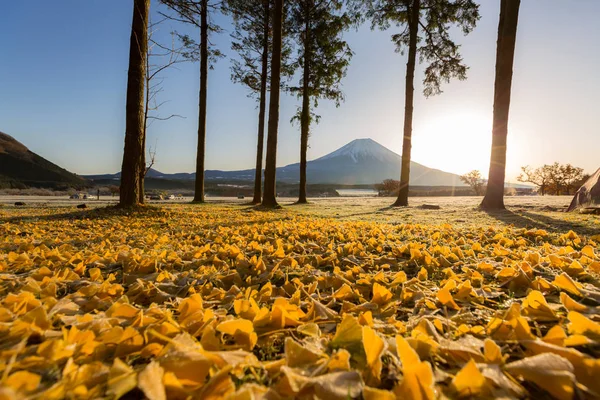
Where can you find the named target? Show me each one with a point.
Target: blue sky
(64, 70)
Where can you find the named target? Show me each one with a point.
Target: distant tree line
(278, 39)
(554, 179)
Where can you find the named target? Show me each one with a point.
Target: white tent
(588, 195)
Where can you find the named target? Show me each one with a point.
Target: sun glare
(455, 143)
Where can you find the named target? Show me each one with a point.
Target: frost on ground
(330, 301)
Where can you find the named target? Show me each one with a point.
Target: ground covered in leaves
(229, 302)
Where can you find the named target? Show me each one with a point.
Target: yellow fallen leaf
(551, 372)
(381, 295)
(555, 335)
(150, 381)
(23, 381)
(416, 383)
(374, 347)
(445, 298)
(121, 379)
(588, 251)
(580, 325)
(469, 381)
(242, 331)
(492, 352)
(339, 361)
(564, 282)
(370, 393)
(297, 355)
(570, 304)
(535, 306)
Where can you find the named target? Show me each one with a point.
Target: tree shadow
(529, 220)
(371, 212)
(87, 214)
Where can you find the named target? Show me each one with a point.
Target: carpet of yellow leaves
(212, 302)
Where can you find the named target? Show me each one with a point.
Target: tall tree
(252, 41)
(197, 13)
(165, 58)
(133, 154)
(426, 25)
(323, 57)
(505, 54)
(270, 194)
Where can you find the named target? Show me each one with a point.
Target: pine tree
(270, 194)
(505, 54)
(323, 57)
(197, 13)
(425, 26)
(252, 41)
(133, 154)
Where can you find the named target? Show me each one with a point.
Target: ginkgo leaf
(297, 355)
(469, 381)
(334, 386)
(564, 282)
(580, 325)
(242, 331)
(374, 347)
(549, 371)
(445, 298)
(150, 381)
(339, 361)
(535, 306)
(348, 332)
(370, 393)
(23, 381)
(570, 304)
(492, 352)
(416, 383)
(122, 379)
(381, 295)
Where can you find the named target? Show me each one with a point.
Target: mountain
(20, 167)
(364, 161)
(360, 162)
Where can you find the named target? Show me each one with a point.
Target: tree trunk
(134, 123)
(415, 11)
(505, 53)
(305, 116)
(269, 198)
(262, 105)
(199, 184)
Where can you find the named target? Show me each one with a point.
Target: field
(342, 298)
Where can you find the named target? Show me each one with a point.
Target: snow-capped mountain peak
(360, 149)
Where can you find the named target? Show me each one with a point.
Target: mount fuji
(360, 162)
(364, 161)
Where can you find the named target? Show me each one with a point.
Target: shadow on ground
(528, 219)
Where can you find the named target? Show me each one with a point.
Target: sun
(457, 143)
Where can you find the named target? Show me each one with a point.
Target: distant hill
(360, 162)
(20, 168)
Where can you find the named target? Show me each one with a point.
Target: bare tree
(554, 178)
(538, 177)
(166, 57)
(197, 13)
(133, 154)
(474, 180)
